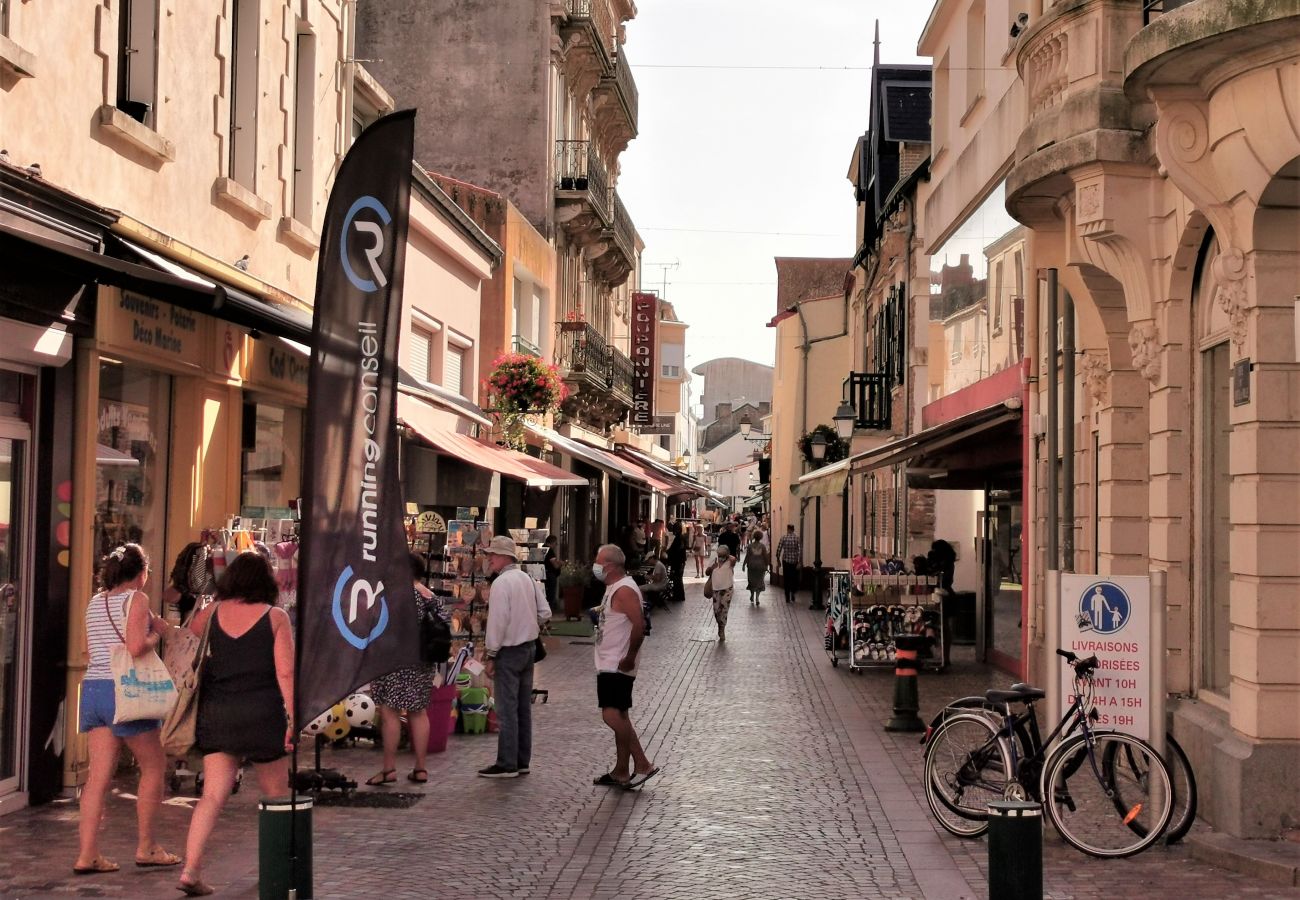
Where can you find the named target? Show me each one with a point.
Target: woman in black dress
(245, 698)
(405, 692)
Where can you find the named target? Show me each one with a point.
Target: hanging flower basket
(522, 385)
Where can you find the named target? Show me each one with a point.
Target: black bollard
(1015, 850)
(284, 859)
(907, 701)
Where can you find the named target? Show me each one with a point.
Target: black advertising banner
(645, 318)
(356, 615)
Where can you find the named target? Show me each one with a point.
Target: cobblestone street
(777, 782)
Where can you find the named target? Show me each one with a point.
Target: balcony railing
(578, 169)
(582, 353)
(1156, 7)
(621, 373)
(624, 233)
(626, 86)
(521, 344)
(602, 19)
(870, 395)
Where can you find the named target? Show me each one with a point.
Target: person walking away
(730, 539)
(405, 692)
(245, 699)
(790, 554)
(722, 575)
(699, 548)
(512, 628)
(551, 567)
(618, 643)
(676, 559)
(119, 614)
(756, 566)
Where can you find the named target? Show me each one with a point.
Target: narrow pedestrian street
(777, 781)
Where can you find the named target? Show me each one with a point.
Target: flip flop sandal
(388, 776)
(639, 779)
(194, 888)
(98, 866)
(158, 857)
(423, 776)
(608, 780)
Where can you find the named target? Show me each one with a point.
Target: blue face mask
(599, 571)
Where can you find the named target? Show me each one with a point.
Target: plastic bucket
(439, 713)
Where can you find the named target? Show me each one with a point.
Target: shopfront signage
(645, 317)
(1110, 617)
(276, 365)
(138, 323)
(659, 425)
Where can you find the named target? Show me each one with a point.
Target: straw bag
(142, 686)
(185, 652)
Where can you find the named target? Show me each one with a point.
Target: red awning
(421, 418)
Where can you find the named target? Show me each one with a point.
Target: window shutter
(455, 363)
(421, 347)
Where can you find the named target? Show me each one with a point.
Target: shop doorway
(15, 600)
(1000, 614)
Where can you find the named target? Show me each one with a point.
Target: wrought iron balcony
(1157, 7)
(870, 395)
(624, 89)
(596, 15)
(521, 344)
(621, 374)
(624, 232)
(580, 175)
(588, 361)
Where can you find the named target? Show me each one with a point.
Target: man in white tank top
(618, 641)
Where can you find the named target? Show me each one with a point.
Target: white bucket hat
(501, 545)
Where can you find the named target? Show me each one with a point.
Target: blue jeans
(512, 687)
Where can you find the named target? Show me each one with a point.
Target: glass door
(1001, 576)
(13, 599)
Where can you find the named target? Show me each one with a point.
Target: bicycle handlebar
(1081, 666)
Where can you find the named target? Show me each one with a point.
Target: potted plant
(573, 585)
(574, 320)
(566, 182)
(836, 447)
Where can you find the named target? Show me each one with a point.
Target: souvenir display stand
(532, 550)
(883, 607)
(838, 596)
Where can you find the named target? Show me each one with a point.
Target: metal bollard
(907, 701)
(1015, 850)
(280, 877)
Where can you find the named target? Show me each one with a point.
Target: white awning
(826, 481)
(601, 459)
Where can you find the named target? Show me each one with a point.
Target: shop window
(137, 59)
(272, 466)
(131, 461)
(303, 122)
(242, 91)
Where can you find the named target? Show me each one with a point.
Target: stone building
(733, 381)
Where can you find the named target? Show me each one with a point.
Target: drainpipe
(1067, 436)
(1053, 418)
(1029, 476)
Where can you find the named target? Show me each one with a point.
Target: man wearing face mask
(515, 606)
(618, 641)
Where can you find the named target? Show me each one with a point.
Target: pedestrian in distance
(245, 699)
(405, 692)
(699, 548)
(790, 554)
(730, 538)
(755, 565)
(515, 607)
(676, 559)
(551, 567)
(722, 579)
(119, 614)
(618, 644)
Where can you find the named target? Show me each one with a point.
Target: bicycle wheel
(1184, 783)
(1081, 793)
(966, 767)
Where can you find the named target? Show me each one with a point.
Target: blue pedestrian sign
(1103, 608)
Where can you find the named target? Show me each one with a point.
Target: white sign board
(1110, 617)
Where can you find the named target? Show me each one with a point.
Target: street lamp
(844, 419)
(818, 447)
(747, 428)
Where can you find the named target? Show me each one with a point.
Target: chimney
(722, 411)
(764, 407)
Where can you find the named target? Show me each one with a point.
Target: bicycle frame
(1023, 729)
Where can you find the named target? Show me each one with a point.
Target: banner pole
(293, 823)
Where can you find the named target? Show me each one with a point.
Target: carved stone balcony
(615, 102)
(599, 375)
(617, 246)
(587, 42)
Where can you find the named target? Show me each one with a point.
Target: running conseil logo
(366, 222)
(361, 596)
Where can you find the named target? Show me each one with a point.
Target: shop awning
(828, 481)
(681, 483)
(419, 417)
(650, 477)
(601, 459)
(964, 453)
(443, 397)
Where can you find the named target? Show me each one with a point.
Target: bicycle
(1109, 793)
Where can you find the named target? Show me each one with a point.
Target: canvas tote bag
(185, 655)
(142, 686)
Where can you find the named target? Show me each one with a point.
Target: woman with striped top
(119, 614)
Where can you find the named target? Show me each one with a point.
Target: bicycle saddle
(1019, 693)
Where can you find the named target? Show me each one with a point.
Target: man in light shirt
(515, 607)
(618, 641)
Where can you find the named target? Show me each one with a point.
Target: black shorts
(614, 690)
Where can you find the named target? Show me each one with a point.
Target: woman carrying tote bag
(119, 615)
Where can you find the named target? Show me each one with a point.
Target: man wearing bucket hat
(514, 610)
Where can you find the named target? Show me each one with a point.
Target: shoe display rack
(884, 607)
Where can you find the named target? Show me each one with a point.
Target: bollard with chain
(1015, 850)
(907, 701)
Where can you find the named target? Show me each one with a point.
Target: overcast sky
(746, 161)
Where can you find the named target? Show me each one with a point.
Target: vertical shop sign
(645, 316)
(1110, 617)
(356, 612)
